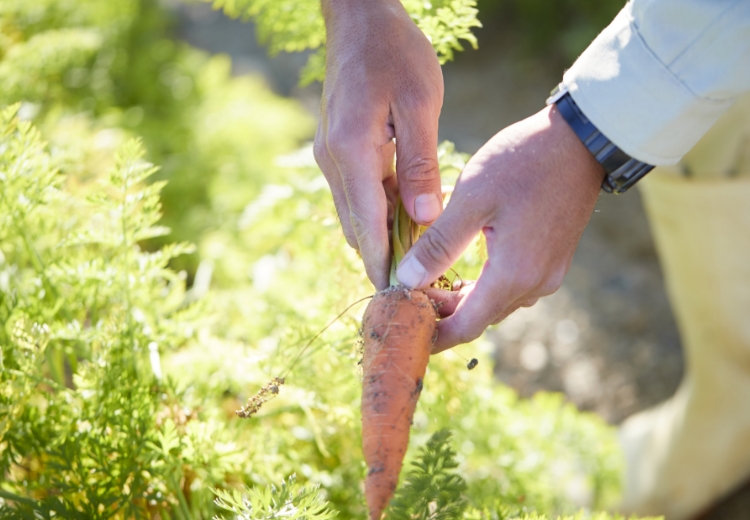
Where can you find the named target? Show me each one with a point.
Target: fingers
(332, 175)
(440, 245)
(368, 211)
(498, 293)
(487, 301)
(454, 331)
(416, 155)
(447, 301)
(356, 156)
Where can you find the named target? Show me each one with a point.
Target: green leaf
(289, 501)
(432, 489)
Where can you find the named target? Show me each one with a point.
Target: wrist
(622, 170)
(585, 170)
(334, 10)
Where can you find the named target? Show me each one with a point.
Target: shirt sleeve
(660, 75)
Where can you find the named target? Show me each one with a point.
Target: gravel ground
(607, 338)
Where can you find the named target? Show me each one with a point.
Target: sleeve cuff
(635, 100)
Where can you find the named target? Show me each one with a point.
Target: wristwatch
(622, 170)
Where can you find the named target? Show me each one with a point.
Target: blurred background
(607, 339)
(230, 129)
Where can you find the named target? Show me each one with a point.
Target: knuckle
(364, 228)
(427, 100)
(360, 218)
(526, 281)
(341, 211)
(351, 239)
(435, 249)
(344, 138)
(418, 169)
(357, 222)
(320, 152)
(467, 333)
(428, 94)
(337, 143)
(552, 283)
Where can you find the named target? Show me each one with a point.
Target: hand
(531, 189)
(383, 81)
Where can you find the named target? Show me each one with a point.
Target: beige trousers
(691, 450)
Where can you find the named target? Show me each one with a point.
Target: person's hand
(383, 80)
(531, 189)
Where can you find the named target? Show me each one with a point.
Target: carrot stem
(405, 232)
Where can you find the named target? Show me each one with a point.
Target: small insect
(473, 363)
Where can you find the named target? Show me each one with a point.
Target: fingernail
(427, 207)
(411, 273)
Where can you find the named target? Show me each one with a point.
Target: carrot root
(399, 329)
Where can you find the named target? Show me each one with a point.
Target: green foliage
(446, 23)
(38, 69)
(289, 501)
(198, 122)
(99, 434)
(120, 378)
(431, 490)
(294, 26)
(535, 516)
(86, 315)
(283, 25)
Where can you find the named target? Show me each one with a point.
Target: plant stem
(405, 232)
(7, 495)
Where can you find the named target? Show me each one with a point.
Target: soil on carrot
(399, 329)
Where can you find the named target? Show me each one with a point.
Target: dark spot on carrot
(418, 388)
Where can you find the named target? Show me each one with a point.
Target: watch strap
(622, 170)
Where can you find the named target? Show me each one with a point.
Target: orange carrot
(399, 329)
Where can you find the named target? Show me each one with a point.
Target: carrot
(399, 330)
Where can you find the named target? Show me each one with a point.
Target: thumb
(438, 248)
(417, 165)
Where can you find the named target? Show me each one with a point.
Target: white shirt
(660, 75)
